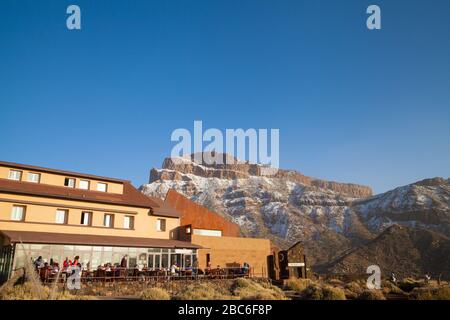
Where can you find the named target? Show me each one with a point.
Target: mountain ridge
(287, 207)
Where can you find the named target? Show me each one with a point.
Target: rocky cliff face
(331, 218)
(235, 169)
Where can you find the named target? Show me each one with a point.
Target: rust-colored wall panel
(200, 217)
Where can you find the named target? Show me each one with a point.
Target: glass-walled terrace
(91, 257)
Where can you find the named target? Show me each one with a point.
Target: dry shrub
(353, 290)
(442, 293)
(325, 292)
(409, 284)
(335, 282)
(373, 294)
(27, 291)
(155, 294)
(202, 291)
(247, 289)
(333, 293)
(389, 287)
(26, 285)
(112, 288)
(23, 291)
(297, 285)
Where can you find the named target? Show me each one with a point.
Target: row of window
(68, 182)
(62, 215)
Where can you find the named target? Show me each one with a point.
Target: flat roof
(94, 240)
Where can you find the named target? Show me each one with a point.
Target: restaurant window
(165, 260)
(84, 184)
(128, 222)
(151, 264)
(18, 213)
(69, 182)
(34, 177)
(108, 220)
(101, 186)
(86, 218)
(161, 225)
(61, 216)
(15, 175)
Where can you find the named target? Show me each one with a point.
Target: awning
(94, 240)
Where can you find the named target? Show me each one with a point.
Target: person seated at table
(56, 267)
(39, 262)
(208, 267)
(67, 263)
(245, 268)
(76, 261)
(124, 261)
(174, 269)
(195, 267)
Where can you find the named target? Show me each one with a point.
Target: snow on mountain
(329, 217)
(424, 204)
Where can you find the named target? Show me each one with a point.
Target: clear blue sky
(352, 105)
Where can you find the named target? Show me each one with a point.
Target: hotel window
(34, 177)
(84, 184)
(18, 213)
(15, 175)
(108, 220)
(161, 225)
(69, 182)
(86, 218)
(101, 186)
(128, 222)
(61, 216)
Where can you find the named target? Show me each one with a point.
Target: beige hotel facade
(57, 214)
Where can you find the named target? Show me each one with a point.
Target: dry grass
(335, 282)
(409, 284)
(373, 294)
(353, 290)
(297, 285)
(26, 285)
(247, 289)
(388, 287)
(431, 293)
(203, 291)
(155, 294)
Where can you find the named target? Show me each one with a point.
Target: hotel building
(57, 214)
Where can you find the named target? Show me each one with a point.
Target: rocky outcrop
(231, 168)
